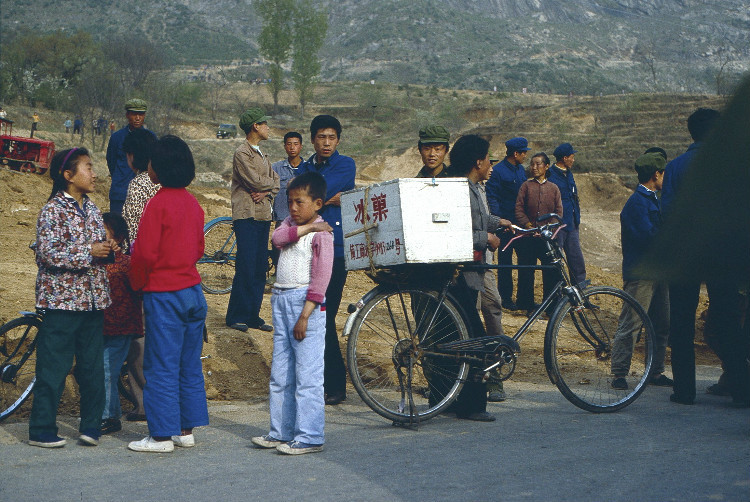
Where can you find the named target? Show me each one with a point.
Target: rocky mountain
(560, 46)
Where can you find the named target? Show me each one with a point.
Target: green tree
(310, 27)
(275, 39)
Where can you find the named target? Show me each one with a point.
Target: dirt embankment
(239, 363)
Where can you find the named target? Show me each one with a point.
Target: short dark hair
(293, 134)
(700, 123)
(172, 162)
(644, 176)
(313, 182)
(543, 155)
(137, 142)
(420, 145)
(324, 122)
(65, 160)
(117, 225)
(466, 152)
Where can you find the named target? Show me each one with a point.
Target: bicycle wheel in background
(17, 362)
(388, 335)
(578, 349)
(216, 268)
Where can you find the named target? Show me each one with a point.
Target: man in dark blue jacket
(117, 162)
(561, 175)
(338, 171)
(640, 221)
(502, 190)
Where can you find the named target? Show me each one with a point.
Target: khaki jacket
(251, 172)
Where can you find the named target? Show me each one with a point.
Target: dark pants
(725, 303)
(571, 244)
(63, 335)
(115, 206)
(473, 395)
(529, 250)
(504, 275)
(250, 272)
(334, 376)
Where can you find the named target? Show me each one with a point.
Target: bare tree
(137, 58)
(645, 53)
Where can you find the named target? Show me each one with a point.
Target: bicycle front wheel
(216, 267)
(391, 349)
(587, 347)
(17, 362)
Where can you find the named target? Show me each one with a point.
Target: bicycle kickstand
(413, 422)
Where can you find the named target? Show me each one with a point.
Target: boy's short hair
(313, 182)
(324, 122)
(465, 153)
(172, 162)
(137, 142)
(117, 225)
(700, 123)
(293, 134)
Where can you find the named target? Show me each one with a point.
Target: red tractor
(28, 155)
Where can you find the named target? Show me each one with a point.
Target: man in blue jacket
(502, 190)
(640, 221)
(117, 161)
(561, 175)
(338, 171)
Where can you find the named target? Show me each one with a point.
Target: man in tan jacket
(254, 184)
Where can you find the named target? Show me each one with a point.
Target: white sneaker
(149, 444)
(186, 441)
(266, 441)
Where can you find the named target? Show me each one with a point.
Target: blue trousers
(249, 273)
(115, 351)
(296, 387)
(175, 395)
(571, 244)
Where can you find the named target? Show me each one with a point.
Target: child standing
(536, 197)
(123, 321)
(299, 318)
(71, 286)
(170, 242)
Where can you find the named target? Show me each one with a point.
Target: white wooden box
(407, 220)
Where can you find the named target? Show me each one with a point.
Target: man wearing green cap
(254, 185)
(433, 147)
(117, 161)
(640, 221)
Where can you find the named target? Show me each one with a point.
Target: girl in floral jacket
(71, 250)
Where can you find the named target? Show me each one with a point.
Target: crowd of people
(106, 280)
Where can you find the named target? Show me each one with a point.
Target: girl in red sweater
(169, 243)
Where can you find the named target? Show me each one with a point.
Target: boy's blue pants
(296, 387)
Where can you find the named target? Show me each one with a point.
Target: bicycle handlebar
(548, 231)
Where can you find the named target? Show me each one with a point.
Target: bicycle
(216, 267)
(409, 349)
(18, 366)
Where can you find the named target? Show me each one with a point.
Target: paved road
(541, 448)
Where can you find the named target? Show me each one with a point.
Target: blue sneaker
(90, 437)
(298, 448)
(47, 440)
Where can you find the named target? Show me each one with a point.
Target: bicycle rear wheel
(390, 347)
(17, 362)
(216, 267)
(580, 343)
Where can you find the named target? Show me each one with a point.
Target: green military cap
(252, 116)
(136, 105)
(434, 134)
(648, 163)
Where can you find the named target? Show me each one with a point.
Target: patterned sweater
(140, 191)
(69, 278)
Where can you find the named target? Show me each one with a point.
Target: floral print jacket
(69, 278)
